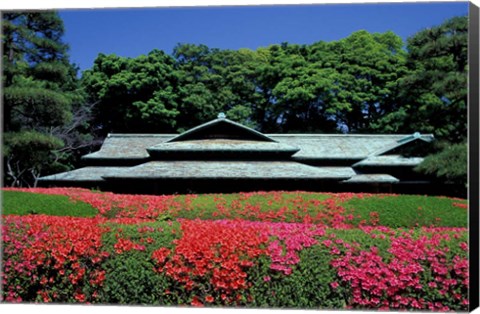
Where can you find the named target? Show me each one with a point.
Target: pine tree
(40, 94)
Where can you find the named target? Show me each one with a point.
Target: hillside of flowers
(262, 249)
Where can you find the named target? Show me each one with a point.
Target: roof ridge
(196, 129)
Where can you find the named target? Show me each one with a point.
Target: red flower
(80, 297)
(196, 302)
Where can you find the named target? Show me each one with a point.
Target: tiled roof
(312, 146)
(128, 146)
(342, 146)
(231, 170)
(223, 145)
(372, 178)
(84, 174)
(389, 160)
(223, 140)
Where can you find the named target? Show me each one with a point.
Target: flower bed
(342, 210)
(148, 254)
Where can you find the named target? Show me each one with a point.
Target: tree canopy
(323, 87)
(433, 93)
(364, 83)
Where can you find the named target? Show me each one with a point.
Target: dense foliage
(44, 108)
(362, 83)
(134, 256)
(450, 164)
(325, 87)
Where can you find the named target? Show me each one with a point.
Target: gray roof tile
(312, 146)
(339, 146)
(220, 145)
(372, 178)
(232, 170)
(128, 146)
(389, 160)
(84, 174)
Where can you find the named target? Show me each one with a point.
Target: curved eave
(372, 178)
(114, 158)
(389, 161)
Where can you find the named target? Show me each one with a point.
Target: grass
(408, 210)
(204, 205)
(23, 203)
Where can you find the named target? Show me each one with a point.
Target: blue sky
(132, 32)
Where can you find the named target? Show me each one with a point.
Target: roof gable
(222, 128)
(410, 145)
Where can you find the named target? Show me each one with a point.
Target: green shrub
(130, 277)
(308, 286)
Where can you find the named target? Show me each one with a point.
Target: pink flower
(327, 243)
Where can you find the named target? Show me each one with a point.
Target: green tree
(433, 95)
(35, 64)
(449, 165)
(368, 67)
(27, 154)
(433, 98)
(41, 99)
(331, 87)
(201, 88)
(303, 93)
(213, 81)
(133, 94)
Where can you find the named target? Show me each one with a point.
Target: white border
(76, 4)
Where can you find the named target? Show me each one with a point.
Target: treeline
(364, 83)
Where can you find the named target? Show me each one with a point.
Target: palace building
(225, 156)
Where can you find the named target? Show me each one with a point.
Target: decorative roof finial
(221, 115)
(417, 135)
